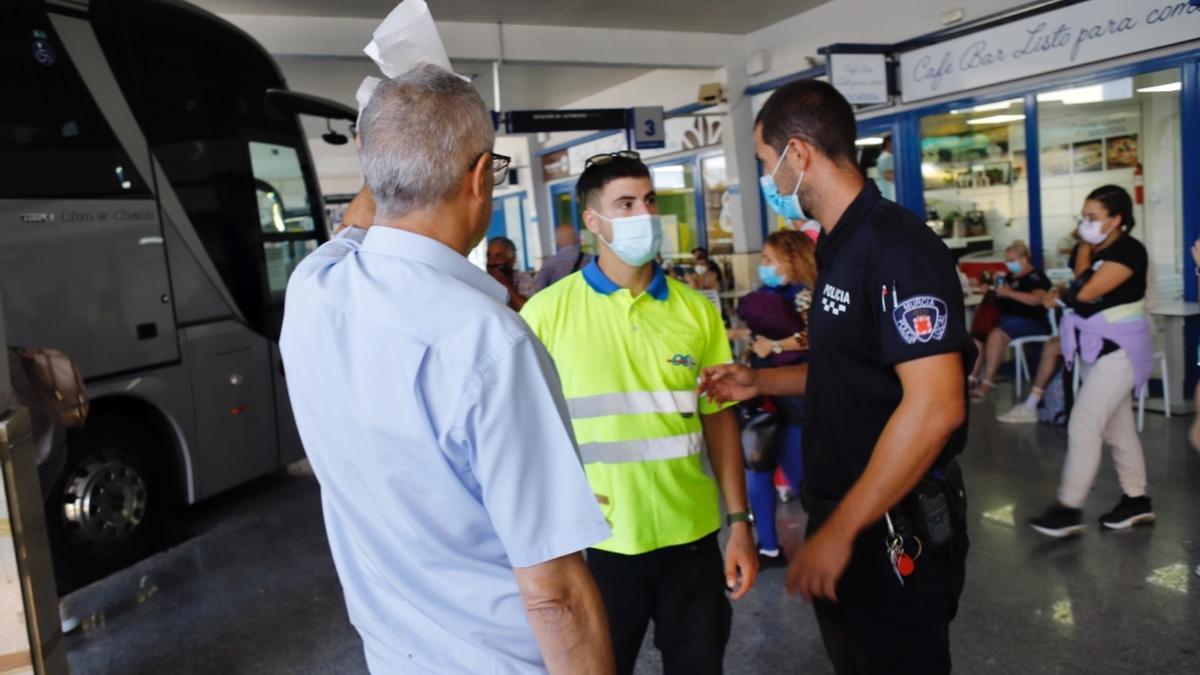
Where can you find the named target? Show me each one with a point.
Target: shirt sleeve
(524, 456)
(1041, 282)
(716, 352)
(920, 312)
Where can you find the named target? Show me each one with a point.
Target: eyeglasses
(500, 165)
(606, 157)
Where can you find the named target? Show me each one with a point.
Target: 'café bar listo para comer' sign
(1071, 36)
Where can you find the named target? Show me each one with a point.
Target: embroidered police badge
(921, 319)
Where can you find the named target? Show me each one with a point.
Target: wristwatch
(739, 517)
(776, 347)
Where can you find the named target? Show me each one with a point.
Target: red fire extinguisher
(1139, 185)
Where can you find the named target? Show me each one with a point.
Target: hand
(722, 384)
(1050, 299)
(1003, 291)
(498, 274)
(741, 560)
(814, 573)
(739, 334)
(763, 347)
(1196, 252)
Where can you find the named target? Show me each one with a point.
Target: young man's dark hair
(504, 240)
(814, 112)
(596, 176)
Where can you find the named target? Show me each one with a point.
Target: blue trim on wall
(1189, 122)
(1033, 180)
(906, 145)
(568, 189)
(778, 82)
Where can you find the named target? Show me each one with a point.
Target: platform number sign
(646, 128)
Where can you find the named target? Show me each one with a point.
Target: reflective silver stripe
(642, 450)
(633, 403)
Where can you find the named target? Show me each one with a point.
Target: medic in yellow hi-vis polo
(629, 344)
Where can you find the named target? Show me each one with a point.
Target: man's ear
(479, 176)
(590, 221)
(800, 155)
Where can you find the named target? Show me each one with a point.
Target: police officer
(884, 556)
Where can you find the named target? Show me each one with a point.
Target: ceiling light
(996, 119)
(987, 107)
(1174, 86)
(869, 140)
(1113, 90)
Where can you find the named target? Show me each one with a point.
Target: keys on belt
(902, 563)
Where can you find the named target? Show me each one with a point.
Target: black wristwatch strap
(739, 517)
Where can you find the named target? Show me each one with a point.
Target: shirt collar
(595, 277)
(856, 213)
(422, 249)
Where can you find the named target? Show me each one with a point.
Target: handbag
(761, 424)
(56, 382)
(987, 315)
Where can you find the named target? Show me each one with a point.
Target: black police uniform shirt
(1034, 281)
(887, 292)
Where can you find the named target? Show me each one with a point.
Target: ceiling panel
(705, 16)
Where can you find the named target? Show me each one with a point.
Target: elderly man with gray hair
(454, 499)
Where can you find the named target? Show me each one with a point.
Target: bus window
(283, 204)
(285, 215)
(54, 142)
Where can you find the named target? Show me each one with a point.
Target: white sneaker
(1020, 414)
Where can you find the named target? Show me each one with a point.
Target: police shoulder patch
(921, 318)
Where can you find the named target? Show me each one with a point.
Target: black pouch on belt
(937, 502)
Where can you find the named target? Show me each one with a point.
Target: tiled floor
(255, 591)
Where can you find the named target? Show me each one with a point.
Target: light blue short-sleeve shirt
(435, 424)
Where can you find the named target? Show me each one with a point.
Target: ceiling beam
(345, 37)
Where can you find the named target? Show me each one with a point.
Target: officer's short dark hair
(815, 112)
(596, 176)
(503, 240)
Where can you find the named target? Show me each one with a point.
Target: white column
(741, 168)
(543, 224)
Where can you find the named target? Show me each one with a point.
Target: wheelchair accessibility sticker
(921, 319)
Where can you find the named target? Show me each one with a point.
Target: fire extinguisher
(1139, 185)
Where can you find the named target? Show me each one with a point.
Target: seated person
(1021, 315)
(705, 275)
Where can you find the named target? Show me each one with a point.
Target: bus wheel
(107, 510)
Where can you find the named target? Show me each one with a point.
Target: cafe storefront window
(1123, 132)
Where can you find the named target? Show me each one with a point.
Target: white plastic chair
(1020, 363)
(1161, 357)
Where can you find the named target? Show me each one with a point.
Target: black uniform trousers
(879, 626)
(680, 588)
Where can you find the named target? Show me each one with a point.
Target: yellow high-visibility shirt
(629, 367)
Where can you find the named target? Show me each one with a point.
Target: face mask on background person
(635, 239)
(701, 270)
(786, 206)
(770, 276)
(1014, 267)
(1092, 231)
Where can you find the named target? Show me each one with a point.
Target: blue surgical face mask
(1013, 266)
(636, 239)
(770, 276)
(787, 206)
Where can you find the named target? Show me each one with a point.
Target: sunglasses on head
(606, 157)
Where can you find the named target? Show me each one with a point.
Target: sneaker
(1058, 521)
(767, 561)
(1128, 512)
(1020, 414)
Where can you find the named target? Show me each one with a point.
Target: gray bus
(156, 191)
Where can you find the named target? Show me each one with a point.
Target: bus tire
(110, 506)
